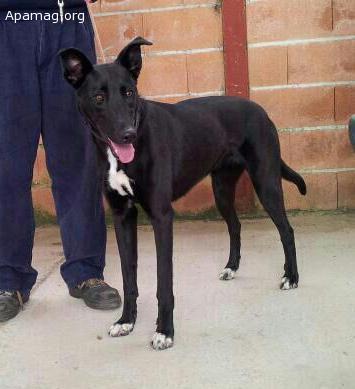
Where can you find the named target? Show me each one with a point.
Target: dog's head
(107, 95)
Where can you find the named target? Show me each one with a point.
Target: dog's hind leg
(224, 183)
(266, 178)
(125, 221)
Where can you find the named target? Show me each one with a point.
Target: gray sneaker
(97, 294)
(10, 304)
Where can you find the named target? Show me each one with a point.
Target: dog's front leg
(163, 232)
(126, 234)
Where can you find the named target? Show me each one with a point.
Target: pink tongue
(125, 153)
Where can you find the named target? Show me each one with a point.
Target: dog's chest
(118, 179)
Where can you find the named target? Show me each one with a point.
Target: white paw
(286, 284)
(161, 341)
(120, 329)
(227, 274)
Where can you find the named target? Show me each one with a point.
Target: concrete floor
(244, 333)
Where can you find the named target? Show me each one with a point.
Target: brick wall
(301, 67)
(302, 70)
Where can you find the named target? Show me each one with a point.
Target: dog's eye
(99, 99)
(129, 93)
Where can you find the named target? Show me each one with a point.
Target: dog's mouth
(123, 152)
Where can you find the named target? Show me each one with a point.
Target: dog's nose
(129, 136)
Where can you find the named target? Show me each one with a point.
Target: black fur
(176, 146)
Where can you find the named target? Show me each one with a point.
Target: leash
(97, 35)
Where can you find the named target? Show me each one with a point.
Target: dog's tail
(290, 175)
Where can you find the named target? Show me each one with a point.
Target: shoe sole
(104, 305)
(94, 304)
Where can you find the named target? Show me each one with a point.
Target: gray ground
(243, 333)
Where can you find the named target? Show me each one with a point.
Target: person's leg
(20, 121)
(72, 159)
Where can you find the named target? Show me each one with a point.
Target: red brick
(321, 192)
(187, 2)
(170, 100)
(95, 7)
(183, 30)
(267, 66)
(321, 150)
(128, 5)
(321, 62)
(175, 100)
(40, 173)
(200, 198)
(284, 138)
(346, 190)
(163, 75)
(118, 30)
(280, 20)
(297, 107)
(43, 199)
(205, 72)
(244, 196)
(344, 17)
(344, 103)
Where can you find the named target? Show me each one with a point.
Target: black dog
(153, 153)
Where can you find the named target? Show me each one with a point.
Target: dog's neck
(140, 112)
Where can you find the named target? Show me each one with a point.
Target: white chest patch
(118, 180)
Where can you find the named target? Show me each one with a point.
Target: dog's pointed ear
(76, 66)
(131, 56)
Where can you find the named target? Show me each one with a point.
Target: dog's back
(203, 134)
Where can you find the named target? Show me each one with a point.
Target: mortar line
(326, 170)
(334, 105)
(332, 127)
(190, 94)
(303, 86)
(156, 9)
(181, 52)
(187, 74)
(287, 63)
(337, 181)
(332, 5)
(175, 52)
(306, 41)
